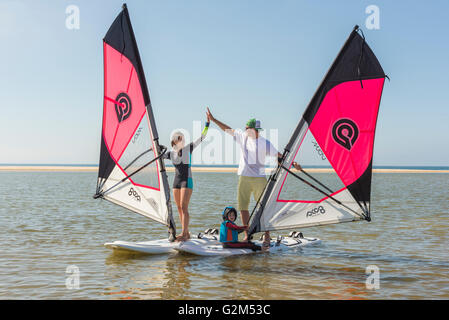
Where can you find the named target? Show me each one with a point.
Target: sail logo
(318, 149)
(316, 212)
(134, 194)
(345, 132)
(123, 107)
(136, 136)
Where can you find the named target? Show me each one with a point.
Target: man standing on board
(252, 179)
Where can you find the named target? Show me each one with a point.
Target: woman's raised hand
(297, 166)
(209, 115)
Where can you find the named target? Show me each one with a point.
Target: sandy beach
(44, 168)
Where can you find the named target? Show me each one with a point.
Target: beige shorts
(248, 186)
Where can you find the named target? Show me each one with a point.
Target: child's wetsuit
(182, 161)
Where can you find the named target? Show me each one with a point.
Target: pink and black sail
(340, 121)
(131, 172)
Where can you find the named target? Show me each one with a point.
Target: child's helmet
(228, 210)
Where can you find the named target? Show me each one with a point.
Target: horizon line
(214, 165)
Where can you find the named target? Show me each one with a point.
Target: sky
(243, 58)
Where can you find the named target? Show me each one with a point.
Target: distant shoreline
(213, 169)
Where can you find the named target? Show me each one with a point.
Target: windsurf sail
(131, 173)
(339, 125)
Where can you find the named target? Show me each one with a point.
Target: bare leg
(245, 220)
(177, 196)
(258, 191)
(266, 239)
(186, 193)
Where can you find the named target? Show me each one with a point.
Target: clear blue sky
(244, 58)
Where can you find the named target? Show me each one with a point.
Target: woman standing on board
(181, 157)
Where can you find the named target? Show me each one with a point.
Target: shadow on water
(118, 257)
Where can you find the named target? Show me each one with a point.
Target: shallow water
(49, 221)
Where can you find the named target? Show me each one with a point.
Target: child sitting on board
(229, 232)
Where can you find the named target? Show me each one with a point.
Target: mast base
(171, 235)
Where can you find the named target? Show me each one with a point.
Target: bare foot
(266, 239)
(266, 242)
(180, 238)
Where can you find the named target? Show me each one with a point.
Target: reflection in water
(178, 284)
(157, 277)
(249, 276)
(258, 276)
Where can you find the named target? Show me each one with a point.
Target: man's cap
(254, 124)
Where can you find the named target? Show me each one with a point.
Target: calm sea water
(49, 221)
